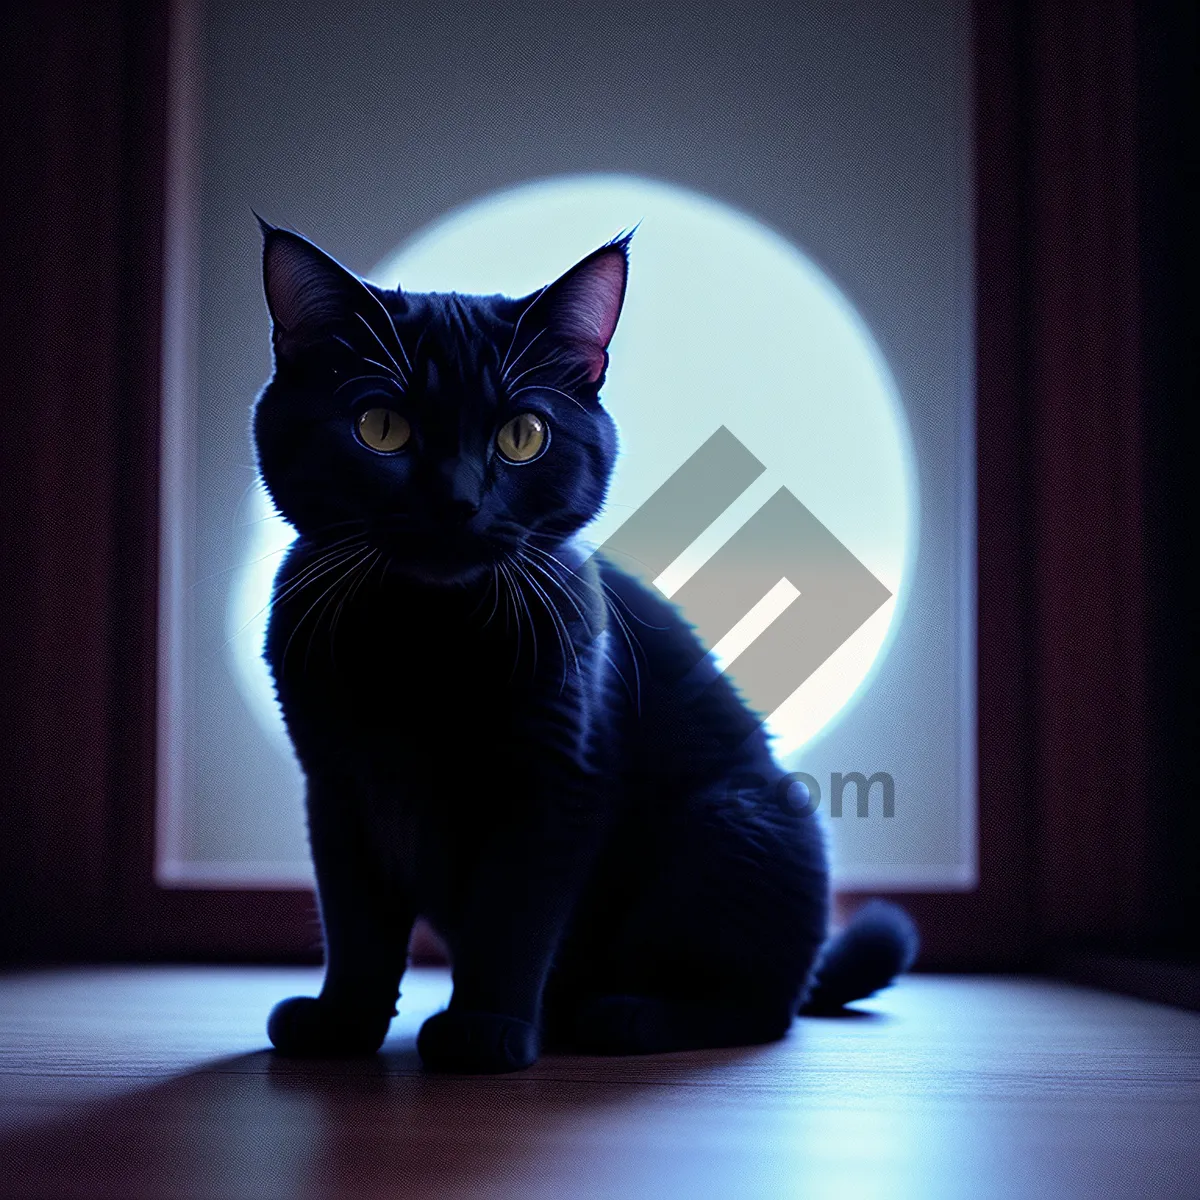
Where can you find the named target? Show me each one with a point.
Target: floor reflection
(954, 1087)
(258, 1125)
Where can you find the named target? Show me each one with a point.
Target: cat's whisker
(307, 612)
(488, 591)
(551, 577)
(387, 562)
(333, 525)
(612, 662)
(312, 554)
(314, 570)
(348, 599)
(332, 592)
(292, 587)
(524, 350)
(546, 362)
(509, 594)
(500, 577)
(634, 645)
(517, 331)
(237, 508)
(561, 633)
(520, 574)
(566, 591)
(558, 583)
(310, 575)
(565, 641)
(531, 544)
(613, 597)
(558, 562)
(549, 361)
(341, 341)
(238, 566)
(322, 542)
(417, 348)
(341, 586)
(393, 372)
(495, 595)
(348, 555)
(271, 516)
(399, 380)
(523, 601)
(359, 378)
(541, 387)
(379, 342)
(629, 611)
(478, 604)
(626, 632)
(607, 587)
(392, 327)
(319, 539)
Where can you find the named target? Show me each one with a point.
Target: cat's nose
(460, 508)
(459, 495)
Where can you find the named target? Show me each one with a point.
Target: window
(804, 183)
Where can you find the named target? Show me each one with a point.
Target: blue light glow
(725, 323)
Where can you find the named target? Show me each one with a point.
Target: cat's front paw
(306, 1027)
(476, 1043)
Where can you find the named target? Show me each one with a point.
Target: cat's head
(446, 430)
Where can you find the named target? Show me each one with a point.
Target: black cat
(499, 733)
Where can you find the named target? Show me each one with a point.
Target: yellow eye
(383, 429)
(523, 438)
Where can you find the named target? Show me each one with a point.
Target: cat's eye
(383, 430)
(523, 438)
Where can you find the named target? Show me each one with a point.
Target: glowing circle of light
(725, 323)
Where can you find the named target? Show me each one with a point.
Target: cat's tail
(879, 943)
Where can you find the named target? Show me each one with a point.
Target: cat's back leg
(718, 945)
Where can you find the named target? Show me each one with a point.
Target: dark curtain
(1169, 194)
(81, 185)
(1108, 284)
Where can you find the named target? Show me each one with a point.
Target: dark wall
(1087, 323)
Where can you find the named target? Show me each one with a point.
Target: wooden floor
(154, 1083)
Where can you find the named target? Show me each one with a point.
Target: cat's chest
(397, 687)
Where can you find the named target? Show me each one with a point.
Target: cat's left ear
(581, 308)
(307, 291)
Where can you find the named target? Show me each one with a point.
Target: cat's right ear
(307, 291)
